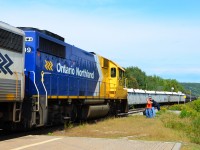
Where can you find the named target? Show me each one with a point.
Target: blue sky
(161, 37)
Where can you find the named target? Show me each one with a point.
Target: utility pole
(172, 89)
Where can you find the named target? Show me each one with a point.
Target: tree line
(194, 88)
(137, 79)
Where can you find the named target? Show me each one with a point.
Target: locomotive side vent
(11, 41)
(10, 89)
(52, 48)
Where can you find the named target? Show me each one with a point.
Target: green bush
(177, 107)
(188, 121)
(195, 135)
(196, 105)
(188, 112)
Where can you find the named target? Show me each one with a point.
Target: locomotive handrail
(42, 80)
(38, 94)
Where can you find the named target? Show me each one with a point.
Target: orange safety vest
(149, 104)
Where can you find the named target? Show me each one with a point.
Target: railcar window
(11, 41)
(113, 72)
(52, 48)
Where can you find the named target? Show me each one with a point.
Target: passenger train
(44, 80)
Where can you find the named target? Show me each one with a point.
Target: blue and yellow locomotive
(66, 82)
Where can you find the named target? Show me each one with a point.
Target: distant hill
(194, 87)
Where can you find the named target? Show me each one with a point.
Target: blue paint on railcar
(73, 73)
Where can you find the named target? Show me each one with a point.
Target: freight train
(138, 97)
(45, 81)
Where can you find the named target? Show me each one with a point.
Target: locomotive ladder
(42, 80)
(17, 111)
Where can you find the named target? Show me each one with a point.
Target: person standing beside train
(149, 112)
(155, 104)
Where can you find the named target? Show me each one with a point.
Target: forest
(137, 79)
(194, 87)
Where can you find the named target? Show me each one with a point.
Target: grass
(188, 120)
(166, 126)
(132, 128)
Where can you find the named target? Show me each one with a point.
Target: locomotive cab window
(113, 72)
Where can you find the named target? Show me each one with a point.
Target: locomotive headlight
(28, 39)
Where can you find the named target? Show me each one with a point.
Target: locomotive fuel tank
(95, 111)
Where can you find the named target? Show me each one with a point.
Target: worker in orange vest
(149, 111)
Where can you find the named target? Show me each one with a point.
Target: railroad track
(132, 111)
